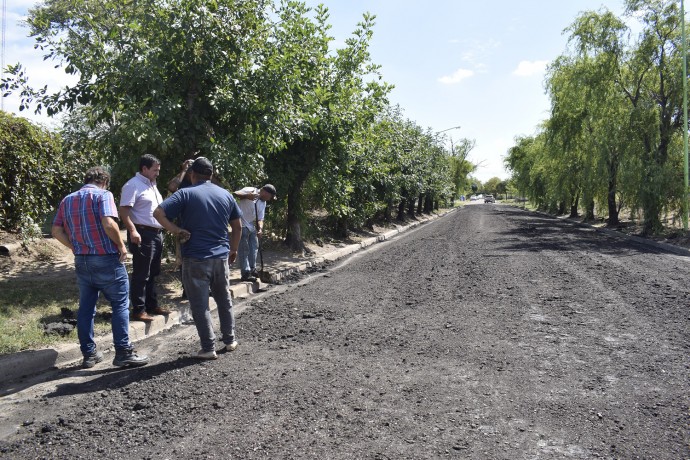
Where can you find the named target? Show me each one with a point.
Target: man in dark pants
(140, 197)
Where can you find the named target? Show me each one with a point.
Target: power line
(2, 50)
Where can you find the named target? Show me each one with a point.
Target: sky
(480, 66)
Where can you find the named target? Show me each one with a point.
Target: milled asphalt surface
(18, 366)
(15, 367)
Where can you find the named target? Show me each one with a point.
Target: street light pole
(452, 148)
(685, 116)
(443, 131)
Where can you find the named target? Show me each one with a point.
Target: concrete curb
(23, 364)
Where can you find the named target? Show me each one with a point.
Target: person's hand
(186, 164)
(123, 253)
(135, 237)
(184, 235)
(260, 231)
(232, 257)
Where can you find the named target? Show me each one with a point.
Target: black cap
(202, 166)
(270, 189)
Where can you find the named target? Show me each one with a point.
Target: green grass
(27, 305)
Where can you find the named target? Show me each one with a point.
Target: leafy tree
(492, 185)
(37, 173)
(169, 78)
(327, 102)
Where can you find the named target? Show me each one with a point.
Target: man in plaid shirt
(86, 223)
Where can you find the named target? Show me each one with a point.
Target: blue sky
(461, 63)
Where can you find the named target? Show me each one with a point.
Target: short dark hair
(97, 175)
(202, 166)
(148, 160)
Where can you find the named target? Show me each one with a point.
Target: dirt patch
(39, 257)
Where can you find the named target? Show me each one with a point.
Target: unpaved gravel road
(492, 333)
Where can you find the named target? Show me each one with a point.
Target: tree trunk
(341, 229)
(410, 206)
(574, 205)
(294, 226)
(288, 170)
(613, 219)
(388, 212)
(589, 210)
(428, 204)
(420, 203)
(561, 208)
(402, 206)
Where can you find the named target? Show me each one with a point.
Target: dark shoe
(248, 278)
(92, 359)
(143, 316)
(124, 358)
(205, 355)
(159, 311)
(255, 274)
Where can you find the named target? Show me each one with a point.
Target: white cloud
(456, 77)
(529, 68)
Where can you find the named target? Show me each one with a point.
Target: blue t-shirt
(205, 210)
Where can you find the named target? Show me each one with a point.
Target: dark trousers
(146, 266)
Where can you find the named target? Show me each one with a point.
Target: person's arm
(113, 231)
(260, 229)
(61, 235)
(246, 194)
(174, 183)
(235, 236)
(126, 215)
(159, 215)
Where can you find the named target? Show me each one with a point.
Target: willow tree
(650, 79)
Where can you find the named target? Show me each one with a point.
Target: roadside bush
(36, 174)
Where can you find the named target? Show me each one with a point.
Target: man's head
(202, 169)
(97, 176)
(149, 167)
(267, 193)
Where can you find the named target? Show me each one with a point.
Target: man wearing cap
(203, 212)
(139, 198)
(253, 206)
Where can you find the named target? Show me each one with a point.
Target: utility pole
(2, 50)
(685, 116)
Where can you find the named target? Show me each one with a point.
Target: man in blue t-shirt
(203, 212)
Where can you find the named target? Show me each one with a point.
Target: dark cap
(270, 189)
(202, 166)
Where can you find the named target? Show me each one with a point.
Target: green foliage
(36, 174)
(613, 134)
(170, 79)
(256, 87)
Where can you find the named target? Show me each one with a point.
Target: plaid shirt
(80, 215)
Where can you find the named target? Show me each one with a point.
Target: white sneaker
(201, 354)
(231, 346)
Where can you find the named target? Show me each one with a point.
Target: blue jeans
(198, 275)
(246, 253)
(106, 274)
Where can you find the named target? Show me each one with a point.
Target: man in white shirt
(140, 197)
(252, 203)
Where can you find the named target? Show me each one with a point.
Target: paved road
(490, 333)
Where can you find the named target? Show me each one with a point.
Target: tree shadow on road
(536, 233)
